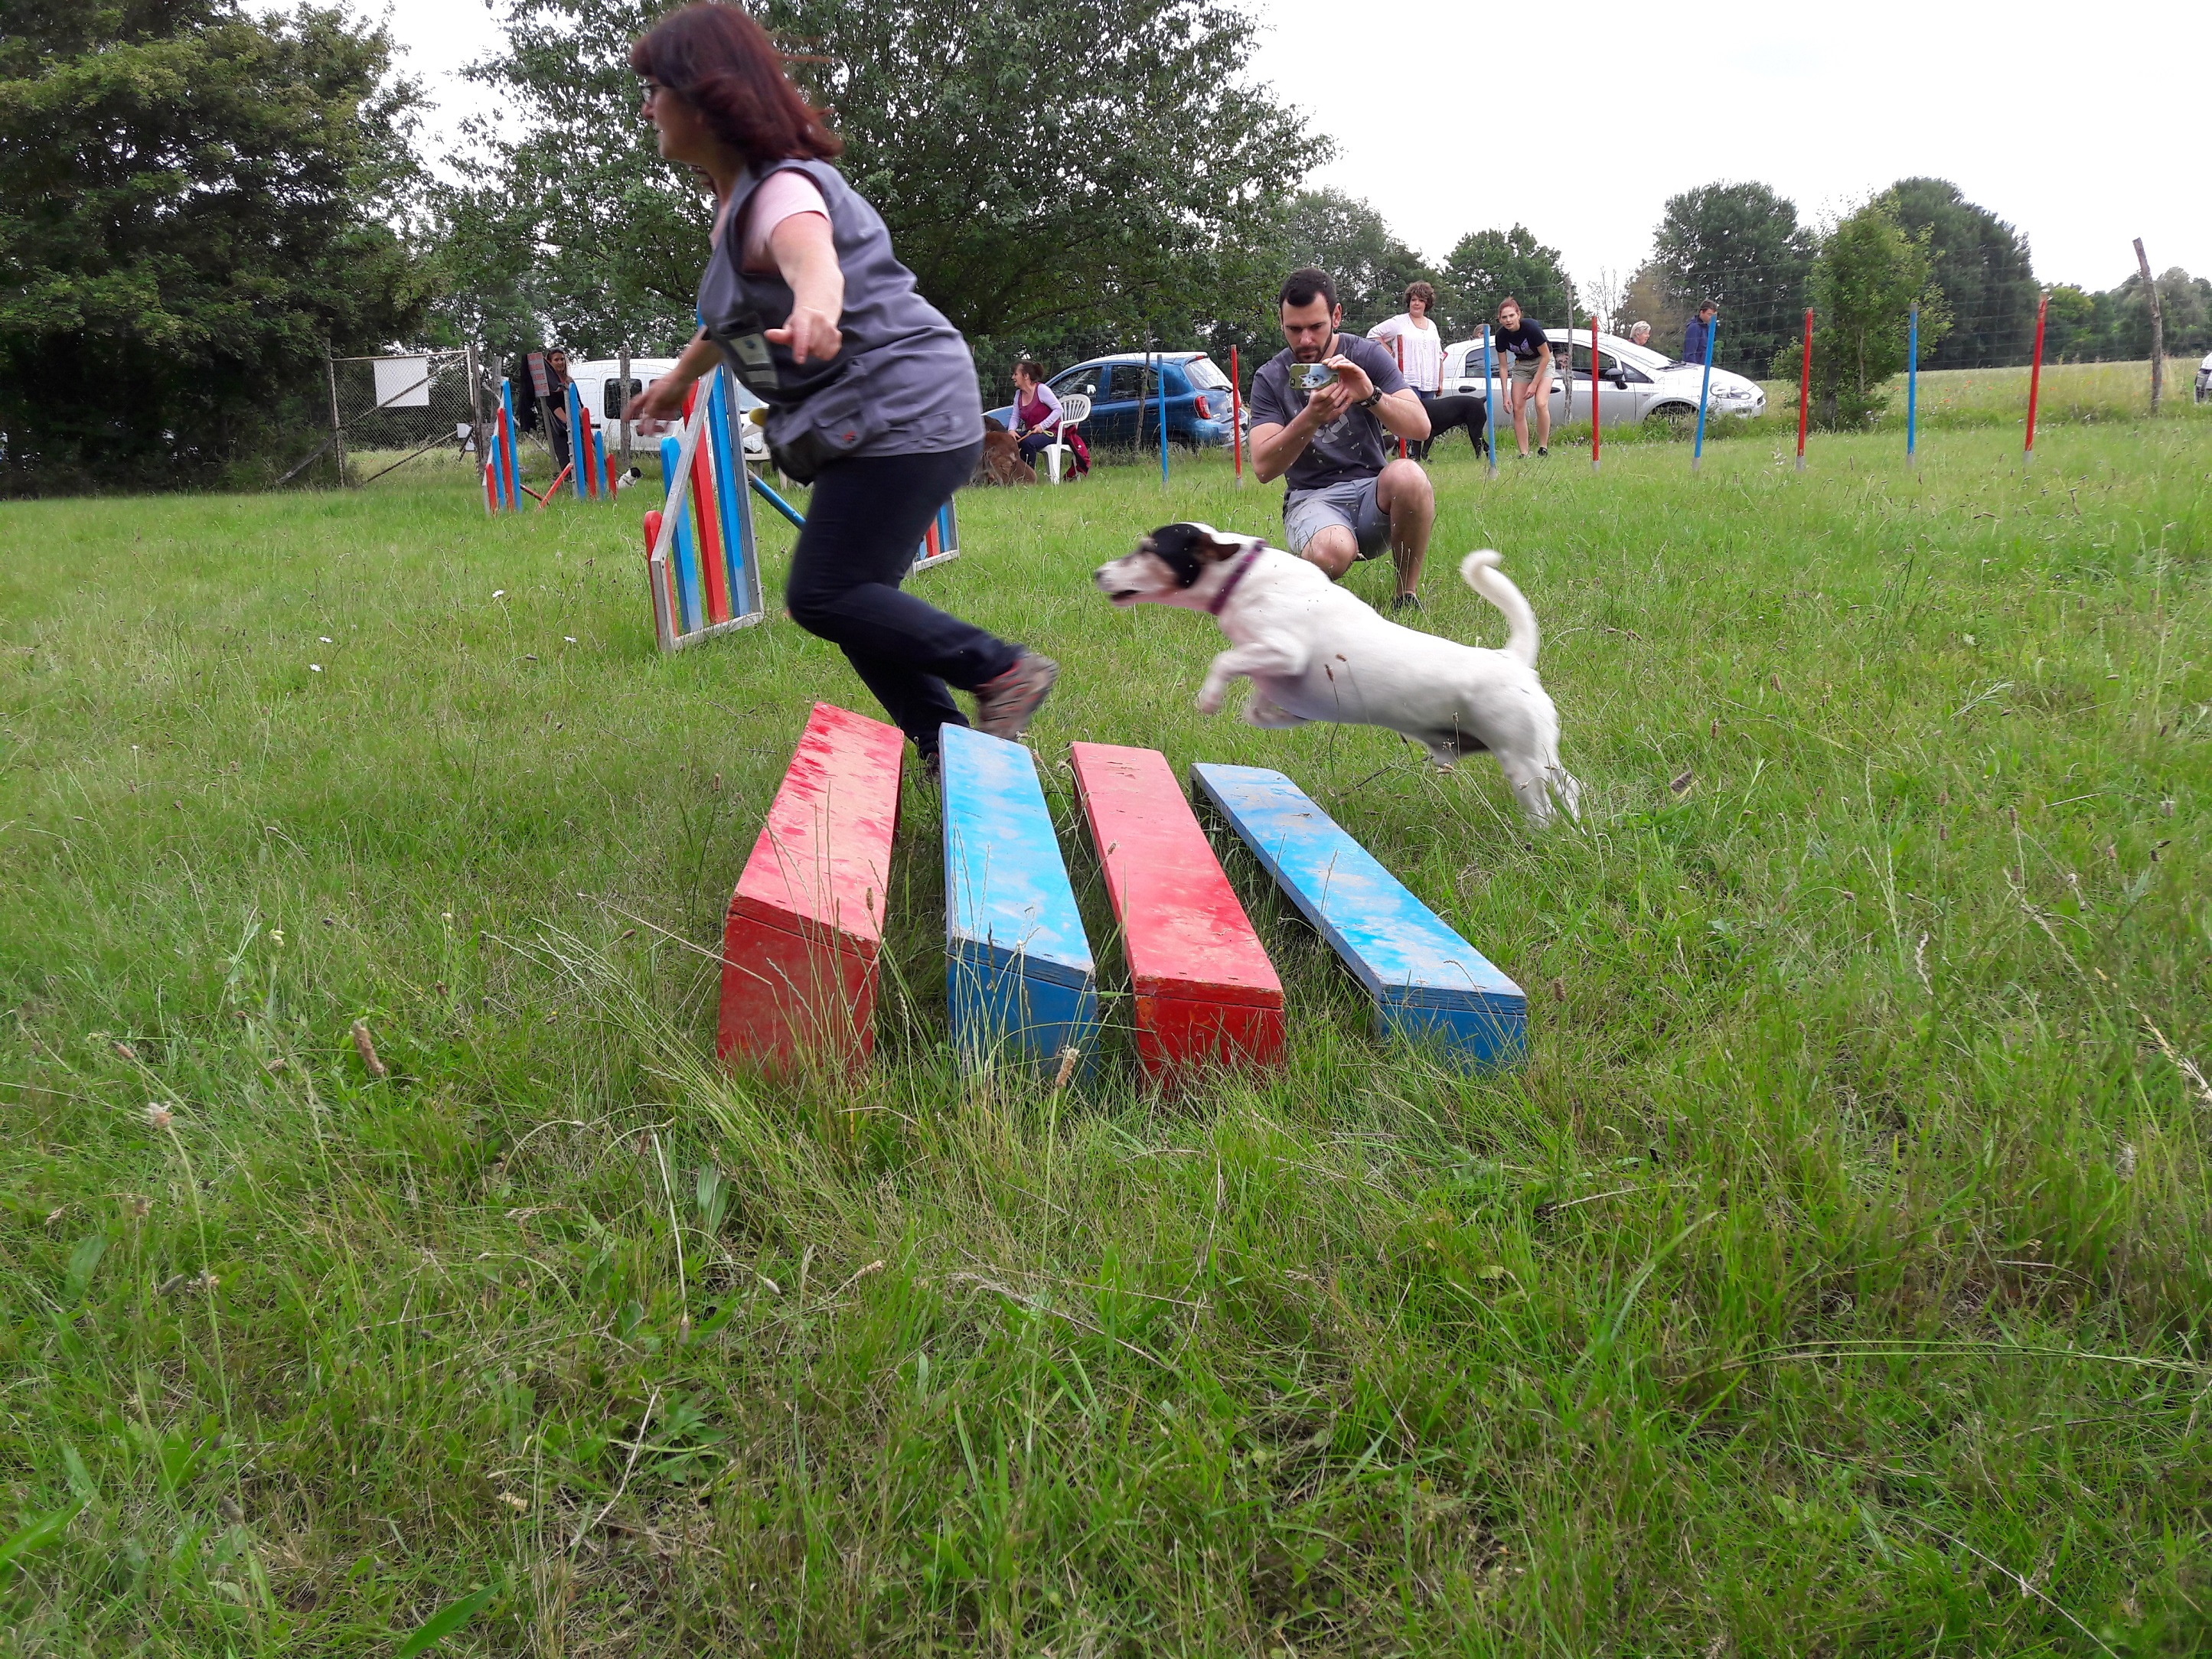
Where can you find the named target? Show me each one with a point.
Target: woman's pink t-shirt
(785, 196)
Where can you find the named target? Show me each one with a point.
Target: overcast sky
(2085, 130)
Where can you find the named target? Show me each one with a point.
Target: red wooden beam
(806, 922)
(1205, 993)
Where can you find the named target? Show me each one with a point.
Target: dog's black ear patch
(1178, 546)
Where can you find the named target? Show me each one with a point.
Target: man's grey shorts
(1307, 512)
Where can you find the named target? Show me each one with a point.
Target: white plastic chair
(1074, 409)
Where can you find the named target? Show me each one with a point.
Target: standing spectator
(1527, 352)
(1698, 331)
(1344, 501)
(871, 392)
(556, 407)
(1640, 334)
(1420, 350)
(1037, 416)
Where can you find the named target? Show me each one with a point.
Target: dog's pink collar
(1213, 609)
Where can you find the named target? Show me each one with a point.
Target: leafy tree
(2070, 325)
(1868, 274)
(193, 199)
(1486, 265)
(2123, 314)
(1038, 192)
(1349, 239)
(1739, 245)
(1982, 265)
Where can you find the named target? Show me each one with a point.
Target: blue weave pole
(1163, 422)
(1705, 391)
(1911, 381)
(761, 489)
(1489, 404)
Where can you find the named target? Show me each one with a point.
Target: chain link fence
(414, 410)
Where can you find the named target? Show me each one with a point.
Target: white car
(598, 383)
(1635, 383)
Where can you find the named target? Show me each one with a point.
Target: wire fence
(390, 412)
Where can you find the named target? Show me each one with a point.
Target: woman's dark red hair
(718, 59)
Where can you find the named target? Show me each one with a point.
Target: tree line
(197, 200)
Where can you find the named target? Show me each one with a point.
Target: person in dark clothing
(556, 407)
(1527, 351)
(1322, 408)
(871, 393)
(1698, 331)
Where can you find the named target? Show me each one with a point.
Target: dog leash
(1235, 576)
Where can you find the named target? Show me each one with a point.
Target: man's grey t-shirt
(1348, 447)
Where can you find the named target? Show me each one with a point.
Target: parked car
(598, 383)
(1199, 408)
(1635, 383)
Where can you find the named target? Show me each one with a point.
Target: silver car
(1635, 383)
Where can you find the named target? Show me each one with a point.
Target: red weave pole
(1237, 413)
(1805, 388)
(2035, 376)
(1593, 389)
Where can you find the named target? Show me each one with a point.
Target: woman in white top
(1420, 348)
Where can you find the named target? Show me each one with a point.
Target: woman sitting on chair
(1037, 416)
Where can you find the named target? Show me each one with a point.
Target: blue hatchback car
(1201, 412)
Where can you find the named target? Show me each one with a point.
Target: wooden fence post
(2157, 327)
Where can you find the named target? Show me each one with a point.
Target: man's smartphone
(1312, 377)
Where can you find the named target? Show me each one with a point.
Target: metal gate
(424, 407)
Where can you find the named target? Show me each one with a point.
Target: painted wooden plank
(1205, 993)
(706, 522)
(680, 560)
(1427, 982)
(1018, 967)
(806, 925)
(729, 501)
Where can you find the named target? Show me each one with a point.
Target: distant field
(1836, 1280)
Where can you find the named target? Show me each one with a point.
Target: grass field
(1835, 1279)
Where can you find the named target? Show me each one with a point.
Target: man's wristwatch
(1372, 398)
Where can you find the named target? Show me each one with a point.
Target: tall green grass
(1833, 1279)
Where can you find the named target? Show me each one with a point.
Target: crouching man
(1344, 500)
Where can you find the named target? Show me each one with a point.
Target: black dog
(1447, 411)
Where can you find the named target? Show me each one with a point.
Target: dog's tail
(1480, 571)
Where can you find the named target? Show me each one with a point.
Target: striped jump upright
(1206, 996)
(1427, 982)
(1018, 966)
(806, 925)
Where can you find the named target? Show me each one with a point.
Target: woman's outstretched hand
(810, 333)
(661, 401)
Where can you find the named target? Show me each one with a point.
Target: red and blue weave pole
(684, 573)
(730, 553)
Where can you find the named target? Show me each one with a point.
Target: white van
(598, 383)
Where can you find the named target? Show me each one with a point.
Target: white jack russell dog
(1314, 652)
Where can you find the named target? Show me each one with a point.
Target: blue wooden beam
(1017, 964)
(1427, 982)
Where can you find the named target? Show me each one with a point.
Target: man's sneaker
(930, 772)
(1006, 704)
(1406, 602)
(1540, 450)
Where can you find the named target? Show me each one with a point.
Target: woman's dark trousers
(863, 526)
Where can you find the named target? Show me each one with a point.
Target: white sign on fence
(402, 382)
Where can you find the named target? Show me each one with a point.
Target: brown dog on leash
(1001, 461)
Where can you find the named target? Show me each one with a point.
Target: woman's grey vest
(904, 384)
